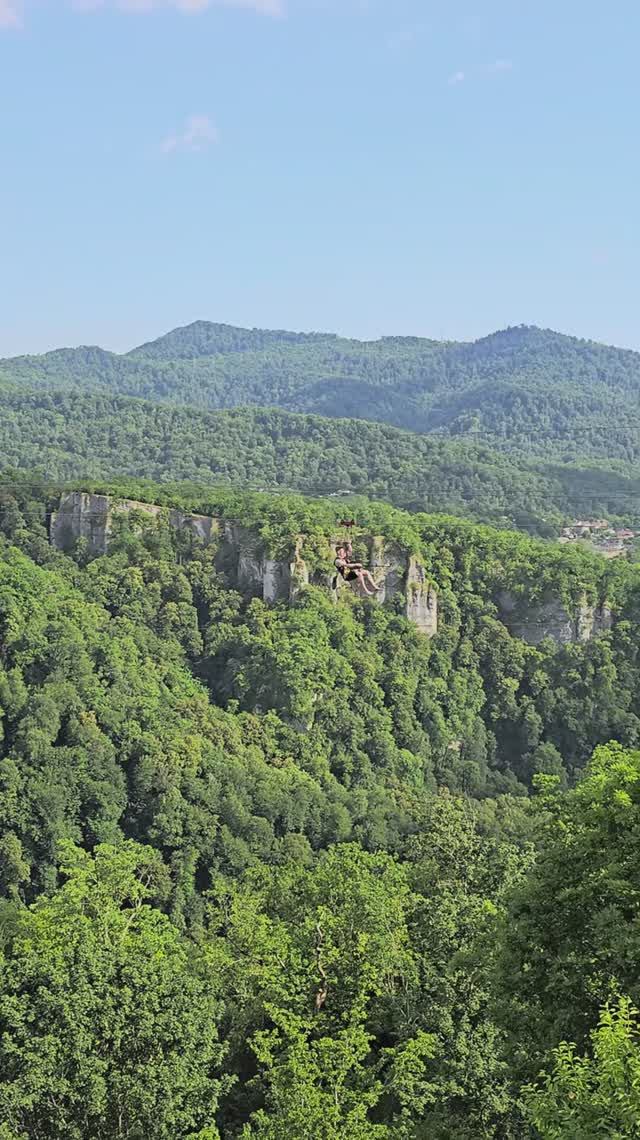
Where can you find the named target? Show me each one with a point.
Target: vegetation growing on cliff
(277, 872)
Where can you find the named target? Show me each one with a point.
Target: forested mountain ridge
(204, 338)
(524, 389)
(81, 435)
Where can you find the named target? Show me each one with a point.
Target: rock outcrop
(421, 599)
(242, 556)
(552, 619)
(389, 566)
(254, 570)
(81, 516)
(91, 517)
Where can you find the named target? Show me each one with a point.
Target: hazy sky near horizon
(361, 166)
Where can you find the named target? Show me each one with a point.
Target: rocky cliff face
(550, 618)
(241, 554)
(389, 566)
(421, 599)
(81, 516)
(91, 517)
(253, 570)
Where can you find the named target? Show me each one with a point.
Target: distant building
(605, 540)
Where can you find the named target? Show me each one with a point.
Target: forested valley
(295, 871)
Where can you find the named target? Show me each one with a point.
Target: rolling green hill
(527, 390)
(73, 434)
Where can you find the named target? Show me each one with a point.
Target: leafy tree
(459, 878)
(587, 1097)
(570, 938)
(108, 1017)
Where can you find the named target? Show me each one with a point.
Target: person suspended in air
(351, 571)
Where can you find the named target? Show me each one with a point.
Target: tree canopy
(296, 870)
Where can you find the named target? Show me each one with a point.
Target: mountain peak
(206, 338)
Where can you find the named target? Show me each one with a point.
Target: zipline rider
(349, 571)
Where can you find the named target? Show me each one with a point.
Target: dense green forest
(297, 872)
(523, 390)
(73, 435)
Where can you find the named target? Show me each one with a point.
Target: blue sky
(362, 166)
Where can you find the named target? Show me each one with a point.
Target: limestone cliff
(81, 516)
(243, 557)
(421, 599)
(91, 517)
(252, 569)
(553, 619)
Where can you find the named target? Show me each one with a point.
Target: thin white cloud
(198, 133)
(11, 11)
(456, 78)
(265, 7)
(501, 65)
